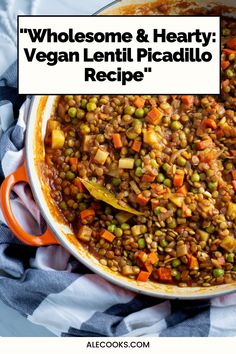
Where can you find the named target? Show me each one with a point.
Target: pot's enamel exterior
(41, 108)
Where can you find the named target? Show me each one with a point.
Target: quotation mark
(23, 30)
(147, 70)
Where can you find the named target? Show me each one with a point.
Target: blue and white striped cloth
(52, 289)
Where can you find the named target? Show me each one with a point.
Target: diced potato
(52, 125)
(181, 250)
(58, 139)
(138, 229)
(228, 243)
(126, 163)
(150, 137)
(177, 200)
(86, 142)
(127, 270)
(231, 212)
(101, 156)
(84, 233)
(123, 216)
(203, 235)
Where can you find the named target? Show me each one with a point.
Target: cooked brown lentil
(172, 158)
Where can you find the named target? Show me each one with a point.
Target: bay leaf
(101, 193)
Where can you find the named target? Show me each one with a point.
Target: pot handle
(47, 238)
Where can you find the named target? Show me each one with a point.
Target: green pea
(165, 166)
(172, 224)
(125, 226)
(146, 110)
(93, 100)
(80, 113)
(68, 98)
(175, 263)
(111, 228)
(118, 232)
(218, 272)
(139, 113)
(138, 162)
(72, 112)
(230, 257)
(212, 185)
(83, 103)
(138, 172)
(83, 206)
(79, 196)
(129, 110)
(195, 177)
(181, 161)
(84, 129)
(70, 175)
(229, 73)
(178, 276)
(141, 243)
(210, 229)
(108, 210)
(91, 106)
(167, 182)
(68, 151)
(63, 205)
(157, 210)
(175, 125)
(160, 177)
(116, 181)
(229, 166)
(226, 31)
(163, 243)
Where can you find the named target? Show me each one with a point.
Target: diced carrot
(210, 123)
(164, 274)
(148, 177)
(192, 262)
(231, 43)
(139, 102)
(234, 174)
(228, 51)
(182, 190)
(187, 100)
(79, 184)
(207, 156)
(86, 213)
(117, 141)
(148, 266)
(155, 203)
(154, 116)
(143, 276)
(204, 144)
(186, 212)
(178, 180)
(73, 160)
(221, 260)
(185, 275)
(234, 185)
(107, 235)
(153, 257)
(142, 200)
(136, 146)
(225, 64)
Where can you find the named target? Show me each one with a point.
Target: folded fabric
(52, 289)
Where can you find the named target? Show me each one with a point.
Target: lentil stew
(172, 159)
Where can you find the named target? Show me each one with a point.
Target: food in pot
(148, 182)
